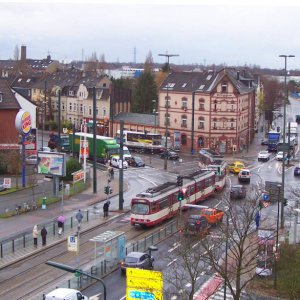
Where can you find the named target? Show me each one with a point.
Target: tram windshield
(140, 208)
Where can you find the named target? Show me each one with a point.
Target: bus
(141, 141)
(273, 139)
(160, 203)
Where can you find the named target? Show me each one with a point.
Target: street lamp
(284, 124)
(155, 113)
(277, 229)
(167, 108)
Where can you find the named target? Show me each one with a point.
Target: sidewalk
(21, 224)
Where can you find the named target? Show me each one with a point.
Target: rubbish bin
(44, 200)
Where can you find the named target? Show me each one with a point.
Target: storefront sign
(23, 122)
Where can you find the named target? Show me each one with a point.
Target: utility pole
(284, 124)
(167, 119)
(94, 142)
(121, 196)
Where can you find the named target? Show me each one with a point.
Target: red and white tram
(219, 166)
(160, 203)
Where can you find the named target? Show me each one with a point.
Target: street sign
(266, 197)
(72, 243)
(136, 294)
(275, 192)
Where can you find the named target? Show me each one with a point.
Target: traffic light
(60, 186)
(106, 190)
(285, 202)
(179, 180)
(180, 196)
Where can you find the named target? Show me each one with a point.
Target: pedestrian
(105, 208)
(79, 218)
(112, 173)
(44, 235)
(60, 227)
(35, 234)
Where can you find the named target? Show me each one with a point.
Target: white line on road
(170, 263)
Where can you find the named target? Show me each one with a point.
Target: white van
(126, 153)
(64, 294)
(115, 161)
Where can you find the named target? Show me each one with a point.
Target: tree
(102, 66)
(240, 240)
(16, 53)
(73, 165)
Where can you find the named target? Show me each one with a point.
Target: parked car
(115, 161)
(46, 149)
(136, 161)
(297, 171)
(2, 188)
(31, 160)
(237, 192)
(244, 176)
(138, 260)
(170, 155)
(64, 294)
(236, 167)
(279, 155)
(263, 156)
(264, 142)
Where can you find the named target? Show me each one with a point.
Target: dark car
(196, 224)
(138, 260)
(237, 192)
(136, 161)
(264, 142)
(297, 171)
(170, 155)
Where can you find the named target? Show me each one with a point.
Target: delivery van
(64, 294)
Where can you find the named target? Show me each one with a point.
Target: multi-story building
(208, 110)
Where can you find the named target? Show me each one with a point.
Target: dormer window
(224, 87)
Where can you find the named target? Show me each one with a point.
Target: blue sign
(266, 197)
(141, 295)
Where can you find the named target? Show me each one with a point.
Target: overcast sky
(199, 31)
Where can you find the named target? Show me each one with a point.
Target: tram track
(30, 277)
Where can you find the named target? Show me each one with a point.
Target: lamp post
(155, 113)
(167, 109)
(277, 229)
(284, 124)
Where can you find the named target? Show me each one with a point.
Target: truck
(105, 146)
(61, 144)
(212, 215)
(64, 294)
(273, 139)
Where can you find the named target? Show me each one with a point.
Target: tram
(160, 203)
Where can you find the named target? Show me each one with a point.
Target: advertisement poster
(51, 163)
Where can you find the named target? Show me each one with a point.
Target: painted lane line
(170, 263)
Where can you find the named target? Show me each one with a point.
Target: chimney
(23, 53)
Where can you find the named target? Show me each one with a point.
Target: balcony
(184, 108)
(184, 125)
(200, 127)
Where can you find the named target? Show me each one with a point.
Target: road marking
(176, 245)
(170, 263)
(194, 246)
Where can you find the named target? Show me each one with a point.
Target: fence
(102, 268)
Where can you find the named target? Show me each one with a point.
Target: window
(90, 110)
(170, 85)
(167, 119)
(63, 106)
(215, 125)
(1, 96)
(104, 112)
(70, 106)
(224, 87)
(167, 102)
(75, 106)
(183, 139)
(71, 93)
(97, 110)
(81, 108)
(84, 109)
(184, 104)
(184, 121)
(201, 87)
(201, 123)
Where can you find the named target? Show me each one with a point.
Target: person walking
(44, 235)
(60, 224)
(35, 234)
(105, 208)
(79, 218)
(112, 173)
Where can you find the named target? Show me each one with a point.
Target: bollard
(53, 228)
(71, 222)
(2, 251)
(24, 240)
(13, 245)
(87, 215)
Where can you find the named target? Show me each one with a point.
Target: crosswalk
(219, 295)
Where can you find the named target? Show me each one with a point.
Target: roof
(135, 118)
(9, 100)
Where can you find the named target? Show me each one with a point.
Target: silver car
(31, 160)
(138, 260)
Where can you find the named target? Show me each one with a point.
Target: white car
(244, 176)
(31, 160)
(279, 155)
(115, 161)
(263, 155)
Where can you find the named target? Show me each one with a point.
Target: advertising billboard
(52, 163)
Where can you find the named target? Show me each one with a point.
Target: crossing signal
(179, 180)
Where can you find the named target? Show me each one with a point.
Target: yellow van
(236, 167)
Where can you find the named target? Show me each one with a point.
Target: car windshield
(131, 260)
(264, 152)
(245, 173)
(240, 166)
(140, 208)
(137, 159)
(236, 188)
